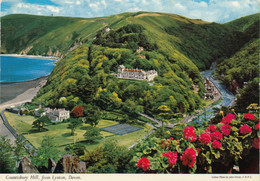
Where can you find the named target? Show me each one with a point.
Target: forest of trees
(84, 77)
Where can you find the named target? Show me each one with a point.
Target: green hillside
(180, 38)
(175, 46)
(84, 77)
(44, 35)
(242, 69)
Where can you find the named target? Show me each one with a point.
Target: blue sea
(17, 69)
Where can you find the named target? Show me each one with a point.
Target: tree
(248, 95)
(110, 158)
(164, 114)
(92, 134)
(19, 150)
(93, 115)
(78, 111)
(40, 123)
(77, 149)
(74, 123)
(46, 151)
(7, 163)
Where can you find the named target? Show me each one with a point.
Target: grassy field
(62, 135)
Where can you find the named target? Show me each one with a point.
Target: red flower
(172, 157)
(177, 141)
(189, 133)
(143, 163)
(198, 150)
(225, 129)
(257, 126)
(249, 116)
(228, 118)
(188, 158)
(171, 138)
(211, 128)
(216, 136)
(204, 138)
(216, 144)
(256, 143)
(245, 129)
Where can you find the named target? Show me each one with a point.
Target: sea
(17, 69)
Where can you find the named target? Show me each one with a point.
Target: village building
(39, 112)
(136, 74)
(211, 91)
(107, 29)
(140, 49)
(53, 114)
(57, 114)
(141, 56)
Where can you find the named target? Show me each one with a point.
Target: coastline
(17, 92)
(32, 56)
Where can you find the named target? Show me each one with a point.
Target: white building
(136, 74)
(39, 113)
(53, 114)
(107, 29)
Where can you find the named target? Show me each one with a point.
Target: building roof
(132, 70)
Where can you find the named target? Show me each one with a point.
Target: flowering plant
(226, 143)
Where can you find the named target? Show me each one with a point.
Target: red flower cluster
(188, 158)
(216, 136)
(172, 157)
(143, 163)
(257, 126)
(167, 143)
(256, 143)
(189, 133)
(216, 144)
(225, 129)
(228, 118)
(245, 129)
(249, 116)
(204, 138)
(211, 128)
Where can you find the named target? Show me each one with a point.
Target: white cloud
(214, 10)
(180, 6)
(235, 3)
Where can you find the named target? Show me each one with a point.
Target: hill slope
(178, 37)
(175, 46)
(242, 69)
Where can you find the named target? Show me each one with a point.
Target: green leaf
(217, 155)
(147, 151)
(139, 154)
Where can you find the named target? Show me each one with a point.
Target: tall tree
(93, 115)
(164, 115)
(74, 123)
(92, 134)
(40, 123)
(7, 163)
(78, 111)
(19, 150)
(46, 151)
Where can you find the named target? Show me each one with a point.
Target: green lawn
(62, 136)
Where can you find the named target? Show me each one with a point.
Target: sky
(208, 10)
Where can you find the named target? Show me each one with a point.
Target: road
(227, 96)
(27, 96)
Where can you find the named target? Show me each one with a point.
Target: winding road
(227, 100)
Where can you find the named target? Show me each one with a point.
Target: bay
(17, 69)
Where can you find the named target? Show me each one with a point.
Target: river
(227, 96)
